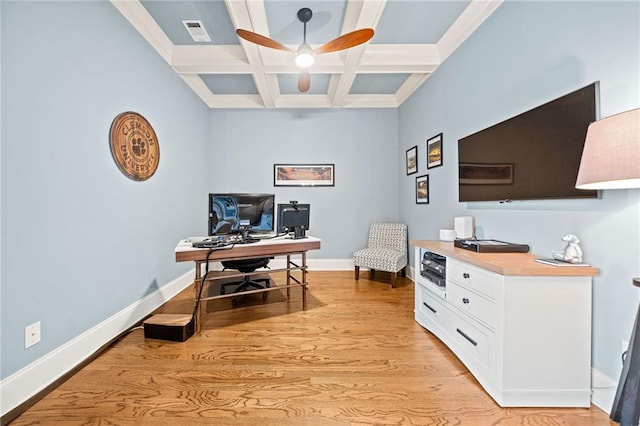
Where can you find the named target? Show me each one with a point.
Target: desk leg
(198, 275)
(626, 405)
(197, 284)
(288, 275)
(304, 280)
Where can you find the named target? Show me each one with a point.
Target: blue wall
(80, 241)
(525, 54)
(363, 145)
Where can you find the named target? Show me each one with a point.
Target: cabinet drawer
(472, 344)
(477, 306)
(428, 304)
(477, 279)
(433, 313)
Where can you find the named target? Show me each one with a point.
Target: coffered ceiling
(412, 38)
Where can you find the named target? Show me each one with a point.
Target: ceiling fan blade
(304, 81)
(346, 41)
(261, 40)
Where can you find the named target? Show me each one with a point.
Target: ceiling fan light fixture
(304, 56)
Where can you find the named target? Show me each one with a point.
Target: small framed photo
(422, 189)
(303, 175)
(434, 151)
(412, 160)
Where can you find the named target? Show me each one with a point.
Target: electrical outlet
(31, 334)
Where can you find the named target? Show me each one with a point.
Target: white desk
(265, 248)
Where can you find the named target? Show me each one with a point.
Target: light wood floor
(355, 356)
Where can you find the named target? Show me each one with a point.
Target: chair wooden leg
(372, 273)
(357, 270)
(403, 272)
(394, 275)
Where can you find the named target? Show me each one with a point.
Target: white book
(556, 262)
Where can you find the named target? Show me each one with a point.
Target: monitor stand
(299, 232)
(245, 238)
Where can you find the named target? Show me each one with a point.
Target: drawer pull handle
(463, 334)
(466, 275)
(429, 307)
(465, 300)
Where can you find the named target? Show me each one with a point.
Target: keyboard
(210, 244)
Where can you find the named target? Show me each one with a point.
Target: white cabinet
(523, 329)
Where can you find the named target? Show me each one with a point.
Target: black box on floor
(174, 327)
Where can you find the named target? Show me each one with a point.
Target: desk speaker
(173, 327)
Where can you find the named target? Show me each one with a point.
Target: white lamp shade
(611, 155)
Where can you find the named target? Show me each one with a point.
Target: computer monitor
(233, 213)
(293, 218)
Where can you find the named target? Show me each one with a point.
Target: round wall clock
(134, 145)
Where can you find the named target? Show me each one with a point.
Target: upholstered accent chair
(386, 251)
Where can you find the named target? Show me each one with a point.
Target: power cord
(203, 279)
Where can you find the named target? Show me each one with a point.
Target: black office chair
(248, 282)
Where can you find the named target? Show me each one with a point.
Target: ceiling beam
(417, 61)
(409, 86)
(359, 14)
(210, 59)
(370, 101)
(200, 88)
(468, 21)
(231, 59)
(236, 101)
(142, 21)
(251, 15)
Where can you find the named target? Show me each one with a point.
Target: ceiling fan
(304, 53)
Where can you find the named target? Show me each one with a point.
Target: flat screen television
(293, 218)
(534, 155)
(231, 213)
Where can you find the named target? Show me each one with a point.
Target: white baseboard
(604, 390)
(317, 264)
(327, 265)
(35, 377)
(314, 264)
(27, 382)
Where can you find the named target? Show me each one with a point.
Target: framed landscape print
(422, 189)
(412, 160)
(303, 175)
(434, 151)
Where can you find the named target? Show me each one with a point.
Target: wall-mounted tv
(534, 155)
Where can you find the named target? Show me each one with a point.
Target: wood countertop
(504, 263)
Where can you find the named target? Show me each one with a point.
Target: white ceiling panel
(412, 38)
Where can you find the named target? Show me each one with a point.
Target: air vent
(197, 31)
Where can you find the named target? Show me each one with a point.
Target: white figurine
(572, 252)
